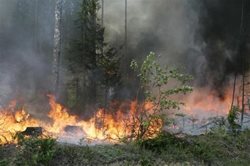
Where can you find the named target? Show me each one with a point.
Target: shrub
(154, 85)
(232, 118)
(163, 141)
(35, 151)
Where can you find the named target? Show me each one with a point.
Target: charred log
(33, 131)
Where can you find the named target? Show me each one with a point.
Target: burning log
(33, 131)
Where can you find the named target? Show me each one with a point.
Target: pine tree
(91, 62)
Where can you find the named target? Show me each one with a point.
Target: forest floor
(217, 148)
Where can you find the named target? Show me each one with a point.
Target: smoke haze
(200, 36)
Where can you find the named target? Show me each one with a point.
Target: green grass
(216, 148)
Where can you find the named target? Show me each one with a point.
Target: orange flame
(12, 122)
(129, 120)
(103, 126)
(204, 103)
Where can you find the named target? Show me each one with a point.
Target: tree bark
(57, 47)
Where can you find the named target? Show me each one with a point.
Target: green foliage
(82, 53)
(233, 117)
(209, 149)
(4, 162)
(35, 151)
(84, 155)
(86, 46)
(203, 152)
(213, 148)
(153, 77)
(154, 83)
(91, 63)
(144, 161)
(162, 142)
(109, 64)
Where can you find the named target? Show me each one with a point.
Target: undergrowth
(218, 147)
(34, 151)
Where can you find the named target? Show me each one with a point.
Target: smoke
(26, 42)
(167, 27)
(200, 36)
(221, 36)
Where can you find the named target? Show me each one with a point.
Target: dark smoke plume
(220, 29)
(202, 36)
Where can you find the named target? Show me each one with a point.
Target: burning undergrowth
(120, 122)
(206, 102)
(104, 126)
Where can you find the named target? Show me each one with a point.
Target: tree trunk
(126, 28)
(57, 47)
(92, 79)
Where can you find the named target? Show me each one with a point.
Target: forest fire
(103, 126)
(204, 103)
(106, 125)
(13, 120)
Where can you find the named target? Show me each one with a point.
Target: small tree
(154, 84)
(109, 65)
(91, 62)
(82, 53)
(232, 117)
